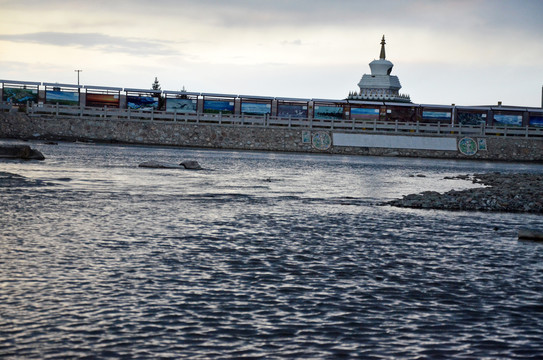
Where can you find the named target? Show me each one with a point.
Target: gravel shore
(503, 193)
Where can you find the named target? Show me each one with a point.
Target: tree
(183, 96)
(156, 86)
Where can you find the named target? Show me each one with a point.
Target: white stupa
(380, 85)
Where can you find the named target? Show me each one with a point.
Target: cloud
(296, 42)
(475, 14)
(480, 14)
(94, 41)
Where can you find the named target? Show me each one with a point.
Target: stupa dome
(381, 67)
(380, 85)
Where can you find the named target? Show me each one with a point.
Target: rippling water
(261, 255)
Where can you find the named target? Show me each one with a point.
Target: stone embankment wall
(20, 125)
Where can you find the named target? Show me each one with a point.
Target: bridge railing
(359, 126)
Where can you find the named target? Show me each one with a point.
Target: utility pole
(78, 71)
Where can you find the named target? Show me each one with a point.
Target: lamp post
(78, 71)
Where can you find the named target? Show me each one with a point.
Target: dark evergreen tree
(183, 96)
(156, 86)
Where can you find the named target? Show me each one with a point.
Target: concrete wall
(19, 125)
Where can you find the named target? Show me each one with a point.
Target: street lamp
(78, 71)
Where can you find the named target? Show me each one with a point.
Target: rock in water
(191, 164)
(20, 152)
(158, 165)
(528, 234)
(187, 164)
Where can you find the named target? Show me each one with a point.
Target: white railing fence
(361, 126)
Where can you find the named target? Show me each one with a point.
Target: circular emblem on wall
(467, 146)
(321, 140)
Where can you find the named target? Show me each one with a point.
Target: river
(259, 255)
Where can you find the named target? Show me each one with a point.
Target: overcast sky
(468, 52)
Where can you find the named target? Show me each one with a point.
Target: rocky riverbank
(503, 193)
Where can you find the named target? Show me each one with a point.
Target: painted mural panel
(536, 121)
(219, 106)
(101, 100)
(292, 110)
(329, 112)
(19, 95)
(142, 102)
(182, 105)
(255, 108)
(507, 120)
(401, 114)
(436, 115)
(365, 113)
(469, 118)
(62, 97)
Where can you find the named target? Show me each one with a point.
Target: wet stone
(20, 152)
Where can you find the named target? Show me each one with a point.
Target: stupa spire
(382, 56)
